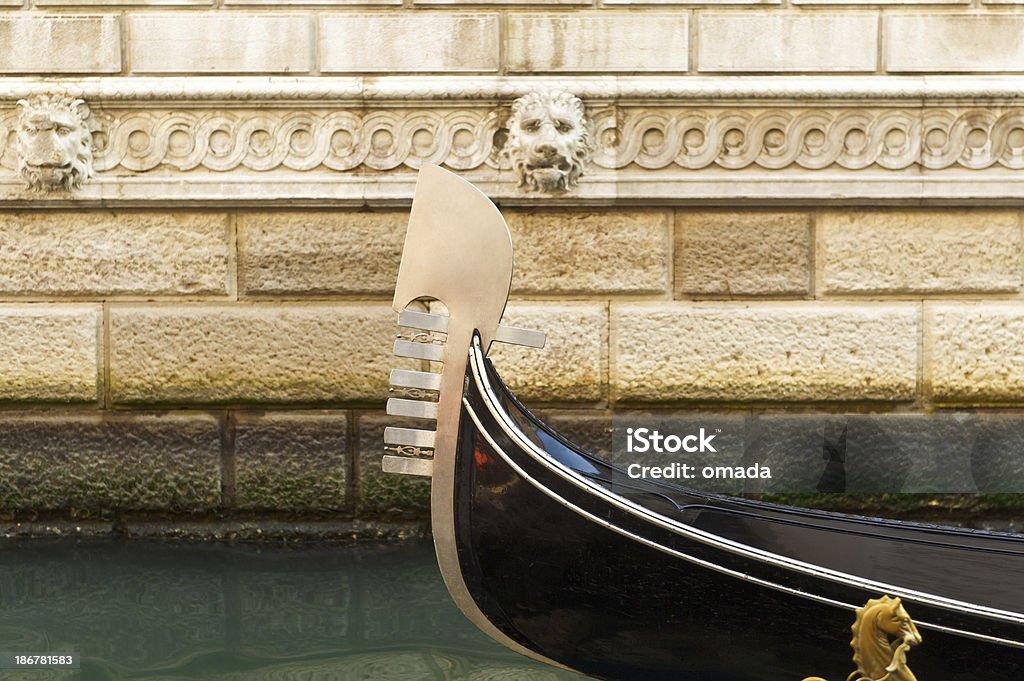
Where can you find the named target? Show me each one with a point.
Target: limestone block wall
(235, 361)
(790, 207)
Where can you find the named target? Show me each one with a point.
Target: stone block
(200, 42)
(756, 41)
(783, 352)
(122, 3)
(114, 253)
(397, 43)
(597, 42)
(292, 462)
(322, 252)
(92, 462)
(60, 44)
(250, 353)
(920, 43)
(571, 367)
(975, 352)
(590, 253)
(933, 251)
(50, 353)
(729, 253)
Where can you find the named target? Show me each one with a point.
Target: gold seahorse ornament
(882, 635)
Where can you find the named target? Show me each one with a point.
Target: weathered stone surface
(954, 42)
(123, 252)
(387, 493)
(320, 252)
(571, 367)
(409, 43)
(778, 352)
(755, 41)
(976, 352)
(582, 252)
(947, 250)
(207, 42)
(292, 462)
(727, 253)
(89, 462)
(996, 463)
(588, 42)
(250, 353)
(60, 44)
(119, 3)
(50, 352)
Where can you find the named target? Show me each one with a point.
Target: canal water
(174, 611)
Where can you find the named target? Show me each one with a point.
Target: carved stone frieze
(53, 142)
(548, 141)
(633, 138)
(650, 139)
(811, 138)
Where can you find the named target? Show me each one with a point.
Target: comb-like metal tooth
(424, 380)
(423, 320)
(407, 466)
(412, 437)
(414, 408)
(412, 350)
(517, 336)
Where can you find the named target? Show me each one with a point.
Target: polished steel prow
(458, 252)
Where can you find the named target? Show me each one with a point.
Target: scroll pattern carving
(811, 138)
(651, 138)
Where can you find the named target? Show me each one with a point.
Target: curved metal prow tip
(458, 250)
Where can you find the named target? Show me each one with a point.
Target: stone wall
(206, 361)
(788, 207)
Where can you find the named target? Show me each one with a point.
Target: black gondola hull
(614, 594)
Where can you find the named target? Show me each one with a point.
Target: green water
(140, 610)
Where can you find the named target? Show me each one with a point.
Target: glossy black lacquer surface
(645, 602)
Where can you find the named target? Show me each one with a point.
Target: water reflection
(244, 613)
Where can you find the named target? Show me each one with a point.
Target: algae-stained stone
(586, 428)
(92, 462)
(251, 353)
(292, 462)
(326, 252)
(388, 493)
(997, 458)
(571, 365)
(114, 253)
(50, 353)
(590, 252)
(742, 253)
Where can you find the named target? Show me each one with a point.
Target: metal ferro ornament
(452, 224)
(882, 635)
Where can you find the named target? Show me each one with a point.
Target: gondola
(545, 550)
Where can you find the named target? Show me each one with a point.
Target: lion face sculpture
(54, 142)
(548, 142)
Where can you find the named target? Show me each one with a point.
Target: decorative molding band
(670, 141)
(182, 90)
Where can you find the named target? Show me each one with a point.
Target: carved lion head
(548, 141)
(54, 142)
